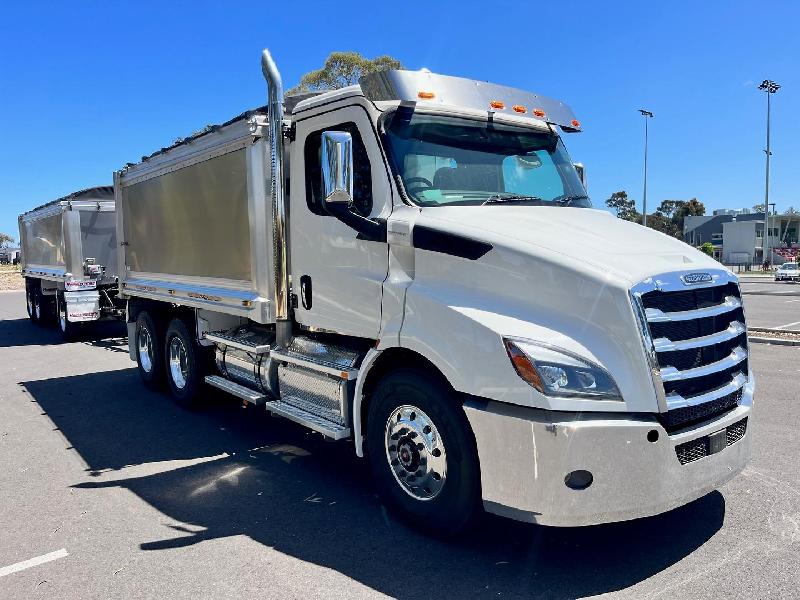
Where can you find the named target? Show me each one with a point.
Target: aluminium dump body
(195, 224)
(58, 237)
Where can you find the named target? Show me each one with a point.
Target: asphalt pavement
(108, 490)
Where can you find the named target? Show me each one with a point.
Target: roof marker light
(538, 112)
(575, 123)
(497, 104)
(422, 95)
(518, 108)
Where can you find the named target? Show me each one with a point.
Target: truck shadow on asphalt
(291, 490)
(111, 335)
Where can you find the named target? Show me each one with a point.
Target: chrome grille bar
(675, 400)
(735, 329)
(738, 355)
(730, 303)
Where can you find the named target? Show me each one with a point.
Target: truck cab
(439, 289)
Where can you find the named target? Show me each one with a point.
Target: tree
(668, 207)
(342, 69)
(625, 207)
(707, 248)
(5, 240)
(758, 207)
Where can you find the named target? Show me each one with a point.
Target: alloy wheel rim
(30, 304)
(145, 349)
(415, 452)
(62, 315)
(177, 362)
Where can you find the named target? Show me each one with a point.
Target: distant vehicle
(789, 271)
(69, 260)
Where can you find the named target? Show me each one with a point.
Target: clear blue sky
(88, 86)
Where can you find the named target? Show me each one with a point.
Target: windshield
(789, 266)
(445, 161)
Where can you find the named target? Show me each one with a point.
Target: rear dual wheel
(185, 363)
(68, 329)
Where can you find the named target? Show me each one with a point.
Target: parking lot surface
(111, 491)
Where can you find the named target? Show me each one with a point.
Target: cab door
(337, 278)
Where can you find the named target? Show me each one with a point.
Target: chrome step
(310, 420)
(241, 342)
(240, 391)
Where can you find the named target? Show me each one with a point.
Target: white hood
(592, 237)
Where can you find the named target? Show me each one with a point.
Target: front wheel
(422, 452)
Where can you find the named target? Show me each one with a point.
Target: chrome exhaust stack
(279, 232)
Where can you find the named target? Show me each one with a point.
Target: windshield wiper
(567, 200)
(498, 199)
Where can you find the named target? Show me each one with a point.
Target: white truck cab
(413, 263)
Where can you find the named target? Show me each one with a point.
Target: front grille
(701, 447)
(688, 415)
(710, 321)
(689, 299)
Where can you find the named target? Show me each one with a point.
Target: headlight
(556, 372)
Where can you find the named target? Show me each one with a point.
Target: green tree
(342, 69)
(625, 207)
(668, 207)
(707, 248)
(5, 240)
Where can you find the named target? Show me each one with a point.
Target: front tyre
(422, 452)
(184, 364)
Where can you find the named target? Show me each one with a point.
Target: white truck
(69, 260)
(413, 263)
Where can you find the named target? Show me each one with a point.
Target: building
(698, 230)
(739, 239)
(732, 211)
(9, 255)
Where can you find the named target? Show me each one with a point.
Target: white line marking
(27, 564)
(788, 325)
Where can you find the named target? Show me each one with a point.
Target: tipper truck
(69, 260)
(413, 263)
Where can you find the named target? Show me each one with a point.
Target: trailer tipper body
(413, 263)
(69, 259)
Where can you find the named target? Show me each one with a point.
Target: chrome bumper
(525, 455)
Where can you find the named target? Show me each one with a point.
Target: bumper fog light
(579, 480)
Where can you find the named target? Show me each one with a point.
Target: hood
(593, 237)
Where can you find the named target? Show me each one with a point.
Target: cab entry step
(240, 391)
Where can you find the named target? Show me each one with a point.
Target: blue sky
(88, 86)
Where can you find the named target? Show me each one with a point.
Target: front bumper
(525, 455)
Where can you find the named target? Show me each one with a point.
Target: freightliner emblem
(693, 278)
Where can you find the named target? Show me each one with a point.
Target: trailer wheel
(149, 350)
(184, 364)
(422, 452)
(30, 301)
(68, 330)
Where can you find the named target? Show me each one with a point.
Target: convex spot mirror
(337, 168)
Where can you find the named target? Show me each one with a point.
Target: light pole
(647, 115)
(770, 87)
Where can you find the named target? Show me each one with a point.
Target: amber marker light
(524, 366)
(422, 95)
(497, 104)
(518, 108)
(538, 112)
(575, 123)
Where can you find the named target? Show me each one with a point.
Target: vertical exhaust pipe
(279, 233)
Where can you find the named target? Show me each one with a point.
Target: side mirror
(337, 168)
(581, 171)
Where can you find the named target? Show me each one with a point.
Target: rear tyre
(185, 365)
(149, 350)
(69, 330)
(30, 300)
(422, 452)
